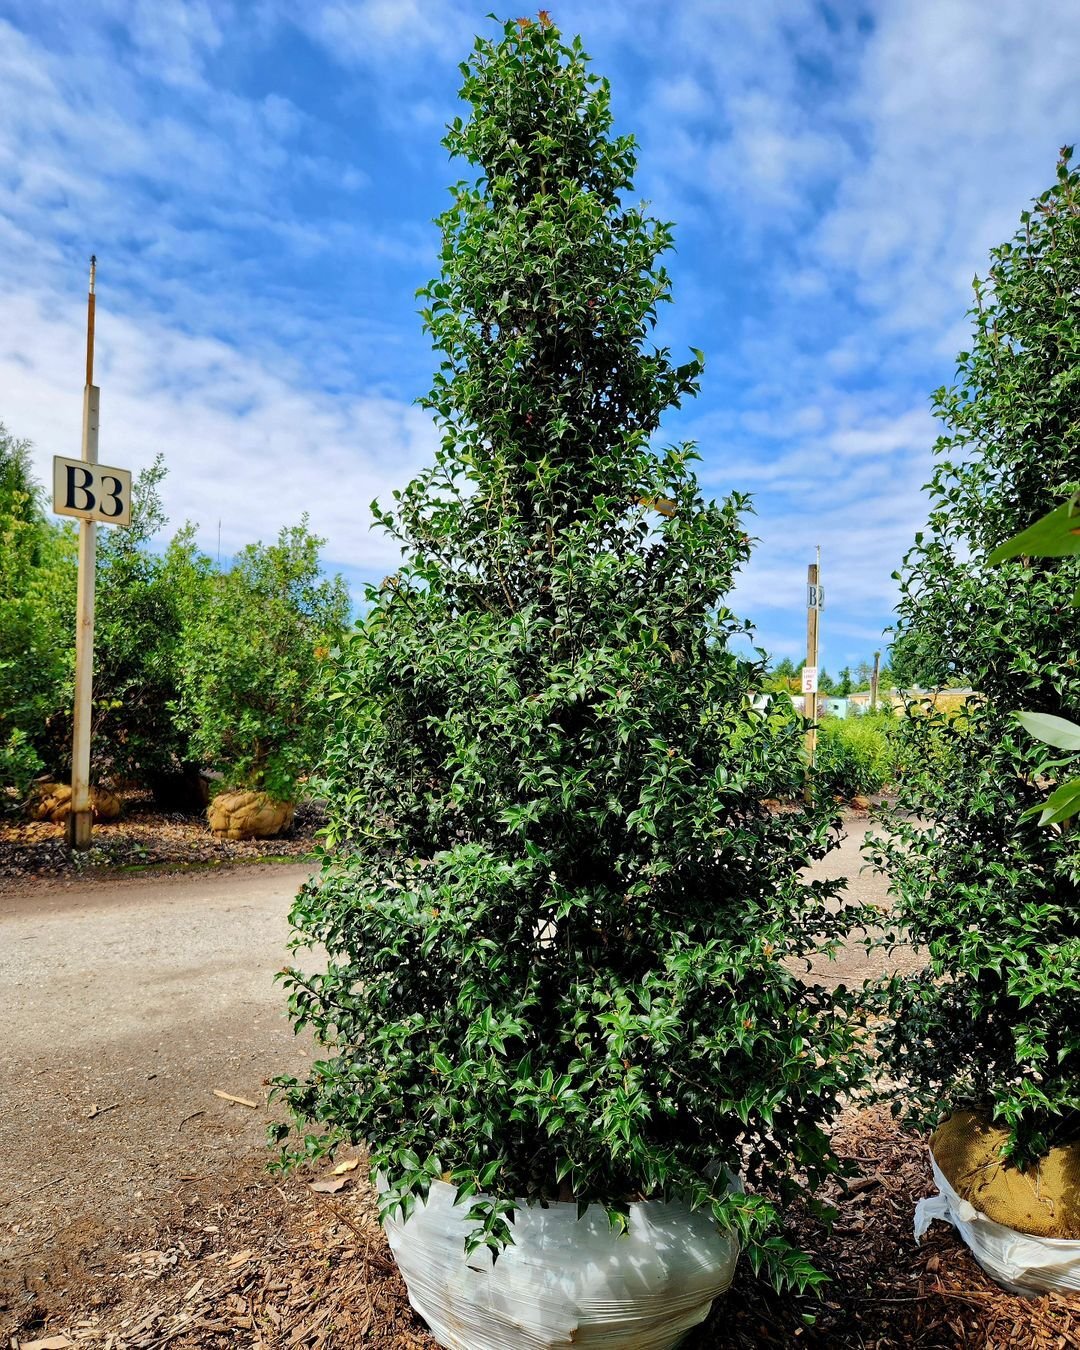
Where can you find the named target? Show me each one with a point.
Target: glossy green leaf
(1055, 731)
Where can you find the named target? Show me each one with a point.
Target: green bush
(560, 924)
(37, 616)
(855, 754)
(142, 594)
(20, 764)
(990, 896)
(251, 651)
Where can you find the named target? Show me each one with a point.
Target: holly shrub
(992, 897)
(561, 926)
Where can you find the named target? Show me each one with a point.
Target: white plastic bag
(564, 1280)
(1019, 1262)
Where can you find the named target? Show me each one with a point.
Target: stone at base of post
(80, 827)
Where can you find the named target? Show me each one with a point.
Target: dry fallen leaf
(240, 1101)
(240, 1258)
(347, 1166)
(328, 1185)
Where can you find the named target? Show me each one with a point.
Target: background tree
(37, 620)
(782, 676)
(844, 686)
(142, 594)
(561, 925)
(250, 658)
(994, 899)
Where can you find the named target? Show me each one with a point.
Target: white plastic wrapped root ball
(1019, 1262)
(564, 1280)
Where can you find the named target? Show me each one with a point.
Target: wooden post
(874, 682)
(810, 700)
(81, 820)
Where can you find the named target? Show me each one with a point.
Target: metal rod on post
(81, 820)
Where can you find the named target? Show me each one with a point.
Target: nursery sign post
(815, 599)
(90, 492)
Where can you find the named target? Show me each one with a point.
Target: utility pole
(874, 682)
(815, 599)
(81, 820)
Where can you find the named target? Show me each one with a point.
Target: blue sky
(258, 180)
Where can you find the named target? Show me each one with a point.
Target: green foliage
(1056, 535)
(782, 677)
(37, 616)
(187, 662)
(561, 927)
(863, 677)
(855, 754)
(993, 899)
(141, 597)
(20, 764)
(250, 657)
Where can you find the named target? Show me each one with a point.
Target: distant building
(895, 700)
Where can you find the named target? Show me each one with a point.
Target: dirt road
(124, 1006)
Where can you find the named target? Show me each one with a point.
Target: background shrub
(991, 897)
(250, 659)
(192, 666)
(856, 755)
(37, 618)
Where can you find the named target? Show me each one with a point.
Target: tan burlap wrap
(1044, 1200)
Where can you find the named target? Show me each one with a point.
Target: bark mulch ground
(144, 838)
(244, 1260)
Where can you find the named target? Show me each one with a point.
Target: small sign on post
(815, 596)
(809, 679)
(91, 491)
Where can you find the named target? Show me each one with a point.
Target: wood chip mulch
(143, 838)
(246, 1261)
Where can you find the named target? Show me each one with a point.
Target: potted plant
(561, 921)
(252, 649)
(987, 1037)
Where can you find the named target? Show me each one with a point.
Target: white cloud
(960, 109)
(246, 445)
(386, 34)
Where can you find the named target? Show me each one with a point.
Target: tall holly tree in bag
(991, 894)
(561, 924)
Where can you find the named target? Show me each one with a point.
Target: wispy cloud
(248, 448)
